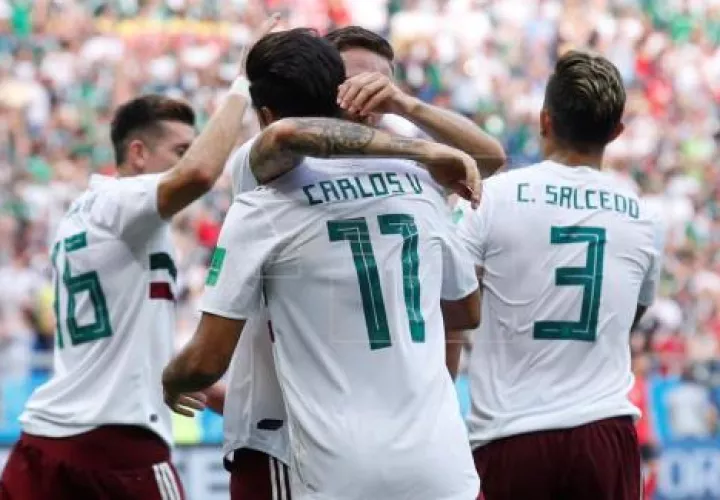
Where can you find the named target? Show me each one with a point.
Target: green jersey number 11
(357, 233)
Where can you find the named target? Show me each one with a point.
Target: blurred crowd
(66, 64)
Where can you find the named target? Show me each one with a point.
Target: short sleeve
(473, 226)
(649, 286)
(238, 165)
(459, 278)
(234, 284)
(129, 207)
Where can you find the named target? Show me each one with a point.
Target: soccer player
(98, 428)
(570, 260)
(369, 93)
(341, 249)
(256, 434)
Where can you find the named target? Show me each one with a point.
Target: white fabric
(520, 380)
(115, 377)
(373, 411)
(253, 392)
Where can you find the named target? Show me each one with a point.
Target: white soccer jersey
(114, 286)
(254, 413)
(568, 253)
(353, 258)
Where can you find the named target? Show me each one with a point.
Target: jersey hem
(551, 425)
(58, 432)
(230, 449)
(462, 295)
(224, 314)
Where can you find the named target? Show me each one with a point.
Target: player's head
(151, 133)
(584, 103)
(294, 73)
(362, 50)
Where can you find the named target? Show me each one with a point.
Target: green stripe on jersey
(76, 242)
(218, 258)
(162, 260)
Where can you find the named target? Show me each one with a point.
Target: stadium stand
(65, 64)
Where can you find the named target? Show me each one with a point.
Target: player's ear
(545, 123)
(137, 156)
(265, 116)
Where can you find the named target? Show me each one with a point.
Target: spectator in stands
(692, 413)
(65, 64)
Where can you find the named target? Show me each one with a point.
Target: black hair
(295, 73)
(143, 117)
(357, 37)
(585, 99)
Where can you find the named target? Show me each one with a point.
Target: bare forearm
(184, 382)
(203, 163)
(455, 130)
(184, 374)
(282, 146)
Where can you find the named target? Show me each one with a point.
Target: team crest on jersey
(216, 263)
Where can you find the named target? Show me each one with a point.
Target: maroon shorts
(108, 463)
(255, 475)
(597, 461)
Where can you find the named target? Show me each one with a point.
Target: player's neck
(575, 159)
(123, 171)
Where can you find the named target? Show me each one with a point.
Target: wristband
(241, 87)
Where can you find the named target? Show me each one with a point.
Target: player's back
(567, 254)
(362, 254)
(254, 409)
(114, 286)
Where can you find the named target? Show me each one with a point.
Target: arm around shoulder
(453, 129)
(284, 144)
(271, 155)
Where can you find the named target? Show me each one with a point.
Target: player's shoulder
(260, 203)
(646, 211)
(241, 153)
(111, 197)
(262, 214)
(502, 187)
(616, 183)
(505, 179)
(119, 186)
(238, 167)
(493, 188)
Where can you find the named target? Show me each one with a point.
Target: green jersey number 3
(89, 283)
(357, 233)
(589, 277)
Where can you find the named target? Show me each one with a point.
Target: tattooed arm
(283, 145)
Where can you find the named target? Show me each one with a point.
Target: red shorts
(255, 475)
(107, 463)
(597, 461)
